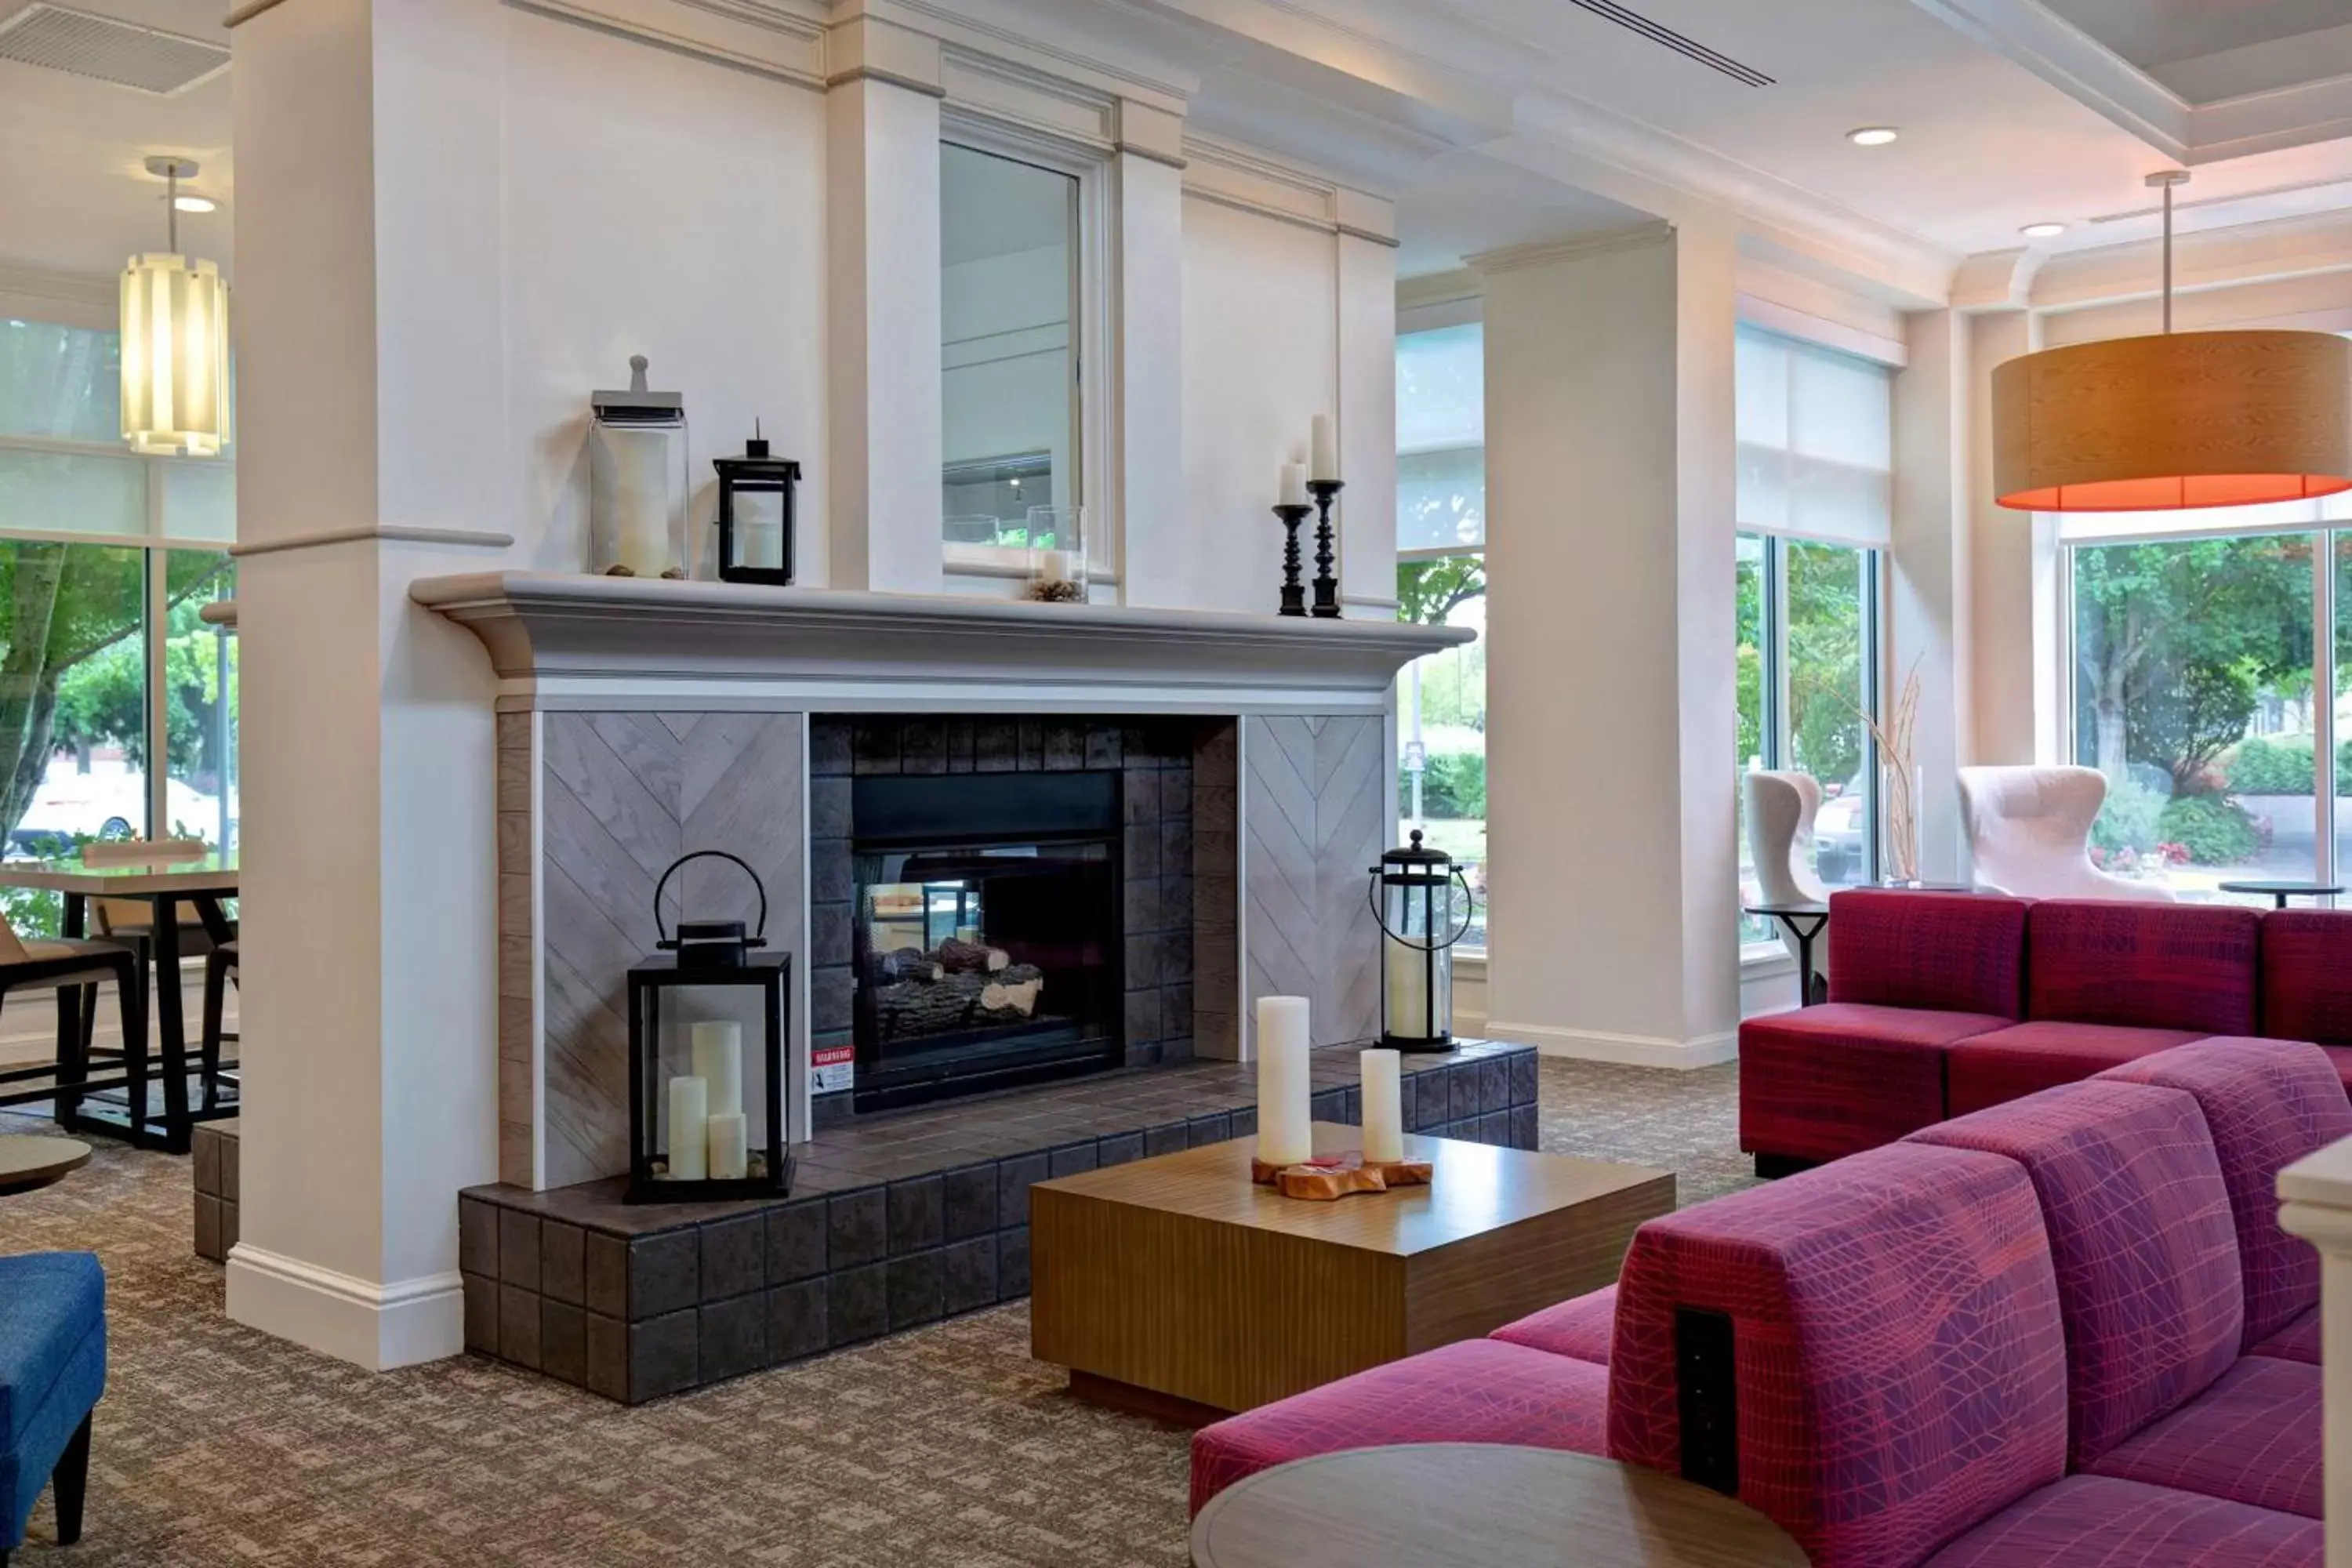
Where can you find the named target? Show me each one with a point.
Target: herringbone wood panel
(622, 796)
(1314, 793)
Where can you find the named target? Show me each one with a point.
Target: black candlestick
(1326, 587)
(1293, 595)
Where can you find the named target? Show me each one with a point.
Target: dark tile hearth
(894, 1221)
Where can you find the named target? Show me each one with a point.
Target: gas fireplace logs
(956, 985)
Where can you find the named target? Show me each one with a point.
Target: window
(106, 559)
(2202, 687)
(1009, 311)
(1441, 580)
(1814, 512)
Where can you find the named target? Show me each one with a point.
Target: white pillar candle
(1285, 1126)
(1383, 1106)
(1408, 988)
(1325, 450)
(760, 528)
(729, 1150)
(690, 1118)
(718, 1062)
(1293, 484)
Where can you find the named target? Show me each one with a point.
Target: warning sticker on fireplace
(833, 1067)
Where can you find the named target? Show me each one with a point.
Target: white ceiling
(2162, 32)
(74, 194)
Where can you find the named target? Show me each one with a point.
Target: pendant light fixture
(174, 342)
(2174, 421)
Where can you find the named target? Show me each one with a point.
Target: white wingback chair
(1781, 811)
(2030, 834)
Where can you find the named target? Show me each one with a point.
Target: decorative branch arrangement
(1897, 739)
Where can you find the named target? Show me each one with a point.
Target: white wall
(1261, 352)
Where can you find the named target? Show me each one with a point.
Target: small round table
(1478, 1505)
(29, 1159)
(1804, 922)
(2282, 891)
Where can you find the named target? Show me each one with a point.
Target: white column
(1366, 258)
(1609, 570)
(371, 394)
(882, 214)
(2015, 684)
(1929, 609)
(2316, 1203)
(1147, 319)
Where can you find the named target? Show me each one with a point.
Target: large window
(1009, 297)
(2202, 689)
(105, 664)
(1441, 580)
(1814, 503)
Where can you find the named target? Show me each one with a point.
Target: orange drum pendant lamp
(2175, 421)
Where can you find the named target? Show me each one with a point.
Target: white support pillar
(1367, 412)
(1147, 327)
(372, 396)
(1930, 603)
(1610, 569)
(2316, 1203)
(882, 214)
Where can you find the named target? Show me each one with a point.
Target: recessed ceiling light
(194, 203)
(2042, 230)
(1872, 135)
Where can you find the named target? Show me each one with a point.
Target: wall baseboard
(1624, 1050)
(375, 1326)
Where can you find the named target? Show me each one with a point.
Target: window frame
(1090, 318)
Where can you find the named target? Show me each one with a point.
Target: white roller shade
(1816, 442)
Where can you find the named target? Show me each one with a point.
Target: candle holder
(1294, 591)
(1326, 587)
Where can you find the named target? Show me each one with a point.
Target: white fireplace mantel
(560, 640)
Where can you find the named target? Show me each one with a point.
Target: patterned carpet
(218, 1445)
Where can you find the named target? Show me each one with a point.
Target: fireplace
(987, 940)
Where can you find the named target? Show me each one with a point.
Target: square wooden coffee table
(1175, 1287)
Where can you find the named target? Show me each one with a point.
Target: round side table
(2282, 891)
(1477, 1505)
(29, 1159)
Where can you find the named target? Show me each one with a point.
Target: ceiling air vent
(1690, 48)
(108, 50)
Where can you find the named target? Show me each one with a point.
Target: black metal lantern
(714, 1130)
(755, 516)
(1412, 899)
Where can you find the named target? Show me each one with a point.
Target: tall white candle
(1383, 1106)
(1286, 1133)
(729, 1149)
(1293, 484)
(689, 1120)
(1408, 984)
(718, 1062)
(1326, 449)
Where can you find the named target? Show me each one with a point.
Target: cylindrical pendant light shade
(175, 356)
(2182, 420)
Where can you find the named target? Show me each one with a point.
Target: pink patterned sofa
(2065, 1331)
(1942, 1004)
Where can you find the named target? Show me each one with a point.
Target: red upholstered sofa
(1944, 1003)
(2065, 1330)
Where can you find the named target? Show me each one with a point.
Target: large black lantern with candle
(755, 516)
(708, 1016)
(1412, 897)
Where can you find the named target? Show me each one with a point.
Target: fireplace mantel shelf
(554, 634)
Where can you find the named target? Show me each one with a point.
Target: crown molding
(1551, 252)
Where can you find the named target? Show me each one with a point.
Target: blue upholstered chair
(52, 1369)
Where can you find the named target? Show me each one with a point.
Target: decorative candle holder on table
(1326, 587)
(714, 1133)
(1294, 591)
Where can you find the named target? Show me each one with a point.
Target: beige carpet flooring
(218, 1445)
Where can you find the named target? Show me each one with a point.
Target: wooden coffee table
(1174, 1287)
(1477, 1505)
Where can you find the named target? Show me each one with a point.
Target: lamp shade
(175, 356)
(2171, 422)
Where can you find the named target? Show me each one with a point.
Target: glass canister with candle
(1422, 902)
(637, 482)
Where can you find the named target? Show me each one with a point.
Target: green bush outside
(2282, 766)
(2128, 822)
(2213, 830)
(1453, 784)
